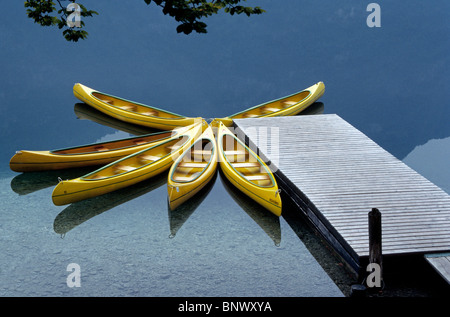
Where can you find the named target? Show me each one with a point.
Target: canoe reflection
(180, 215)
(79, 212)
(268, 222)
(30, 182)
(315, 108)
(85, 112)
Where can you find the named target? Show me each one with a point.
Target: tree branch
(188, 12)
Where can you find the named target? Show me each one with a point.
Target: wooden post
(375, 249)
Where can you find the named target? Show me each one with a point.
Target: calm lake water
(389, 82)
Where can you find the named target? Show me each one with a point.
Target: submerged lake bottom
(128, 243)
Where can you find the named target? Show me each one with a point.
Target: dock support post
(375, 279)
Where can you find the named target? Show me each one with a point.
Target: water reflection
(79, 212)
(30, 182)
(268, 222)
(180, 215)
(432, 161)
(86, 112)
(324, 254)
(315, 108)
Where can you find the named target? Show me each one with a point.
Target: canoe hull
(33, 161)
(82, 156)
(178, 191)
(157, 118)
(70, 191)
(87, 186)
(266, 196)
(286, 106)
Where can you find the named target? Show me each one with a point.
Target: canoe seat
(233, 152)
(147, 157)
(149, 113)
(100, 148)
(200, 154)
(246, 164)
(185, 178)
(287, 103)
(182, 178)
(269, 109)
(193, 164)
(234, 156)
(247, 167)
(107, 101)
(257, 177)
(123, 168)
(129, 107)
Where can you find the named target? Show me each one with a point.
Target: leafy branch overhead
(188, 13)
(46, 13)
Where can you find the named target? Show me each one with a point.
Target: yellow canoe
(192, 170)
(129, 170)
(245, 170)
(285, 106)
(84, 155)
(130, 111)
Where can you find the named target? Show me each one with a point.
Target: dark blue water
(390, 82)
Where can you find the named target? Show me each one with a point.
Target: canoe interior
(115, 145)
(194, 161)
(138, 160)
(273, 106)
(134, 107)
(245, 163)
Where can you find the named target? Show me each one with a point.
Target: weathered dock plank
(441, 263)
(336, 174)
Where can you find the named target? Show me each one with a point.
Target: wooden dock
(441, 263)
(335, 174)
